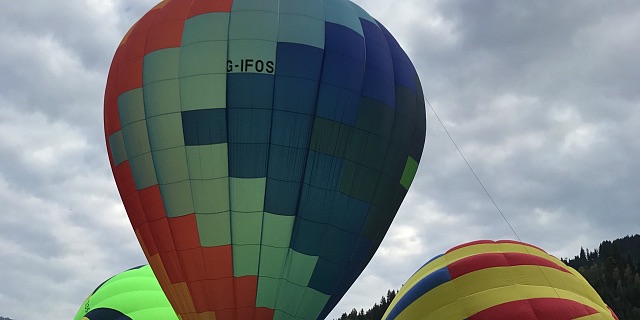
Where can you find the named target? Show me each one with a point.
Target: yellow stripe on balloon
(467, 251)
(482, 289)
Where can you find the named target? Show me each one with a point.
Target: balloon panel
(497, 280)
(133, 294)
(261, 149)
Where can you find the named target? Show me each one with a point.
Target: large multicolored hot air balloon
(503, 280)
(261, 149)
(134, 294)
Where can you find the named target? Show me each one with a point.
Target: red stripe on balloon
(219, 261)
(245, 289)
(111, 115)
(492, 260)
(175, 10)
(519, 243)
(164, 35)
(171, 264)
(184, 231)
(128, 194)
(152, 204)
(162, 235)
(129, 75)
(147, 239)
(218, 290)
(206, 6)
(193, 266)
(469, 244)
(264, 314)
(536, 309)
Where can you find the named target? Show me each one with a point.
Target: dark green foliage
(614, 271)
(375, 313)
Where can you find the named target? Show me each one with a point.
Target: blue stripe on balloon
(404, 72)
(298, 60)
(379, 77)
(423, 286)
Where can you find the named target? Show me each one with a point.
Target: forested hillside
(613, 269)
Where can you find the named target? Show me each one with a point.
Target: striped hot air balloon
(261, 149)
(503, 280)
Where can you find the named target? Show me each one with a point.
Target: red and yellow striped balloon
(488, 280)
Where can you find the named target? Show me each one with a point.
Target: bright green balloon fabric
(134, 294)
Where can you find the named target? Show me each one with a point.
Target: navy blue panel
(338, 245)
(291, 129)
(338, 104)
(379, 85)
(343, 71)
(325, 276)
(423, 286)
(248, 160)
(202, 127)
(379, 78)
(281, 197)
(308, 236)
(315, 204)
(341, 39)
(298, 60)
(249, 125)
(286, 163)
(295, 94)
(402, 67)
(377, 49)
(323, 171)
(250, 90)
(333, 207)
(106, 314)
(361, 256)
(353, 215)
(416, 144)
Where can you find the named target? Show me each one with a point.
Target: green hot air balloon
(134, 294)
(261, 149)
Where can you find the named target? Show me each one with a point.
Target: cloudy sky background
(542, 97)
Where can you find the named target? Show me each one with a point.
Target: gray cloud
(541, 97)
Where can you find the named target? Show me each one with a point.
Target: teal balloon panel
(276, 138)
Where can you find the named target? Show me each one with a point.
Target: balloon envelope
(134, 294)
(503, 280)
(261, 149)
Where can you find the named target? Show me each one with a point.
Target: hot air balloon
(502, 280)
(261, 149)
(134, 294)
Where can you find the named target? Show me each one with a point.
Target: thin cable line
(472, 171)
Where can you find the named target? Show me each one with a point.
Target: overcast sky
(542, 97)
